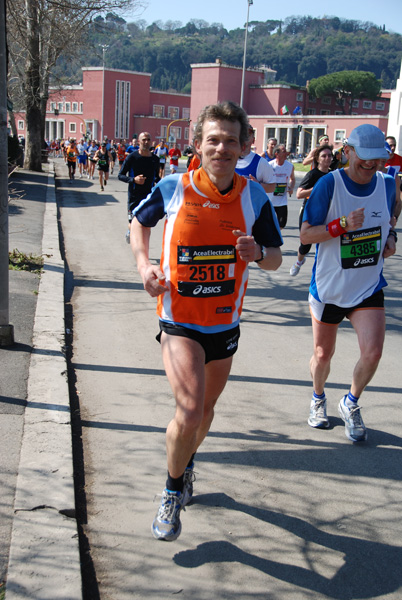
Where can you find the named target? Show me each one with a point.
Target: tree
(347, 86)
(38, 32)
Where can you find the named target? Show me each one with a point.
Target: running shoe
(188, 479)
(318, 413)
(355, 429)
(294, 269)
(166, 525)
(105, 183)
(101, 188)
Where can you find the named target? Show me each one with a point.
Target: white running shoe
(318, 413)
(355, 430)
(294, 269)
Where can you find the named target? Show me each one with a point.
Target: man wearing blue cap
(348, 218)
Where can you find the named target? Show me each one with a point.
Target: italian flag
(284, 110)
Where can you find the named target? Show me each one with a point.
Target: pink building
(265, 101)
(116, 104)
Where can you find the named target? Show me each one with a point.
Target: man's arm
(265, 174)
(301, 193)
(306, 187)
(309, 158)
(125, 168)
(269, 259)
(315, 234)
(151, 275)
(398, 201)
(292, 182)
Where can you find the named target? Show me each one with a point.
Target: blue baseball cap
(368, 142)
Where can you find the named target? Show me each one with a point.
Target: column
(289, 138)
(301, 142)
(314, 138)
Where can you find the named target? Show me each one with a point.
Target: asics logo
(209, 204)
(363, 261)
(207, 289)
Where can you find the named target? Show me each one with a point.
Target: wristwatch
(262, 254)
(343, 222)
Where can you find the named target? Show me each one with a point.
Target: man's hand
(355, 219)
(139, 179)
(390, 247)
(246, 246)
(154, 280)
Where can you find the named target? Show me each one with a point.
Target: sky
(233, 13)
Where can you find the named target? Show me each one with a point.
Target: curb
(44, 553)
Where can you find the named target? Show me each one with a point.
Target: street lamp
(104, 48)
(249, 3)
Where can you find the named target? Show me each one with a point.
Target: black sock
(174, 484)
(191, 461)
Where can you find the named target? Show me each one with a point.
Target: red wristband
(335, 229)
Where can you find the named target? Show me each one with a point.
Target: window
(68, 106)
(173, 112)
(72, 127)
(186, 133)
(159, 111)
(311, 111)
(339, 135)
(60, 107)
(75, 106)
(164, 131)
(175, 132)
(299, 97)
(52, 106)
(81, 107)
(324, 112)
(355, 104)
(20, 125)
(122, 109)
(380, 105)
(338, 112)
(312, 98)
(186, 113)
(326, 100)
(367, 104)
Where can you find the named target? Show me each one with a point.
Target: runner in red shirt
(174, 154)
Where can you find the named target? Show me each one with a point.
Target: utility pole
(104, 48)
(249, 3)
(6, 330)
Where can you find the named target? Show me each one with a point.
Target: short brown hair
(223, 111)
(320, 149)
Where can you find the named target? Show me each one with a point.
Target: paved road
(281, 510)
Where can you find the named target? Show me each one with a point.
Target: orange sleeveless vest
(206, 277)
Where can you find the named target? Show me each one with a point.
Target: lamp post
(249, 3)
(104, 48)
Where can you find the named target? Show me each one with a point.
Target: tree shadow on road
(370, 569)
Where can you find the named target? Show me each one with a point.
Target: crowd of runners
(229, 211)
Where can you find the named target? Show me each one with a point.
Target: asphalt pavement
(281, 511)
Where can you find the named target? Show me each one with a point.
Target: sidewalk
(37, 515)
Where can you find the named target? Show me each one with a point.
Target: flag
(297, 110)
(284, 110)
